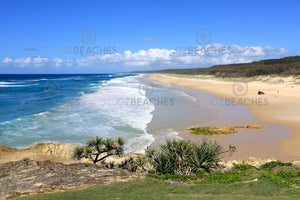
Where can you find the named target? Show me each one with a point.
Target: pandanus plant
(98, 149)
(184, 157)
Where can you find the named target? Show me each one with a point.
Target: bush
(205, 157)
(244, 167)
(133, 165)
(272, 164)
(184, 157)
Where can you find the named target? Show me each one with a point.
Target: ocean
(75, 108)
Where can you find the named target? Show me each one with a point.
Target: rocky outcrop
(50, 149)
(39, 152)
(257, 162)
(48, 167)
(29, 176)
(54, 152)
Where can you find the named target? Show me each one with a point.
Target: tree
(98, 149)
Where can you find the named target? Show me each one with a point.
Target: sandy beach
(279, 104)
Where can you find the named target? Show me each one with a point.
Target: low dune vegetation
(221, 130)
(284, 66)
(212, 130)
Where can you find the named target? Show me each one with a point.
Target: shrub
(132, 164)
(98, 149)
(272, 164)
(184, 157)
(244, 167)
(205, 156)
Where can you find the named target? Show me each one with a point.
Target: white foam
(14, 84)
(42, 114)
(116, 81)
(173, 134)
(106, 101)
(89, 115)
(10, 84)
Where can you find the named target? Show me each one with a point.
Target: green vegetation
(133, 165)
(97, 147)
(185, 170)
(220, 130)
(243, 182)
(272, 164)
(244, 167)
(212, 130)
(282, 66)
(184, 157)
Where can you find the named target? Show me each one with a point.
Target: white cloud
(7, 60)
(40, 61)
(161, 58)
(57, 62)
(22, 62)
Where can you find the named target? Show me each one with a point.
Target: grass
(220, 130)
(244, 182)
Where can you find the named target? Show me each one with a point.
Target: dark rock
(260, 93)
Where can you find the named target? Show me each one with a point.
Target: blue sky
(142, 35)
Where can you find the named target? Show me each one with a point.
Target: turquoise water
(75, 108)
(71, 108)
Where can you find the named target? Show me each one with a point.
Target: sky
(50, 36)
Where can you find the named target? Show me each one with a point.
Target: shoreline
(161, 127)
(239, 116)
(279, 100)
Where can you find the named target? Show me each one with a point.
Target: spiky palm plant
(205, 157)
(179, 151)
(184, 157)
(149, 152)
(95, 148)
(163, 164)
